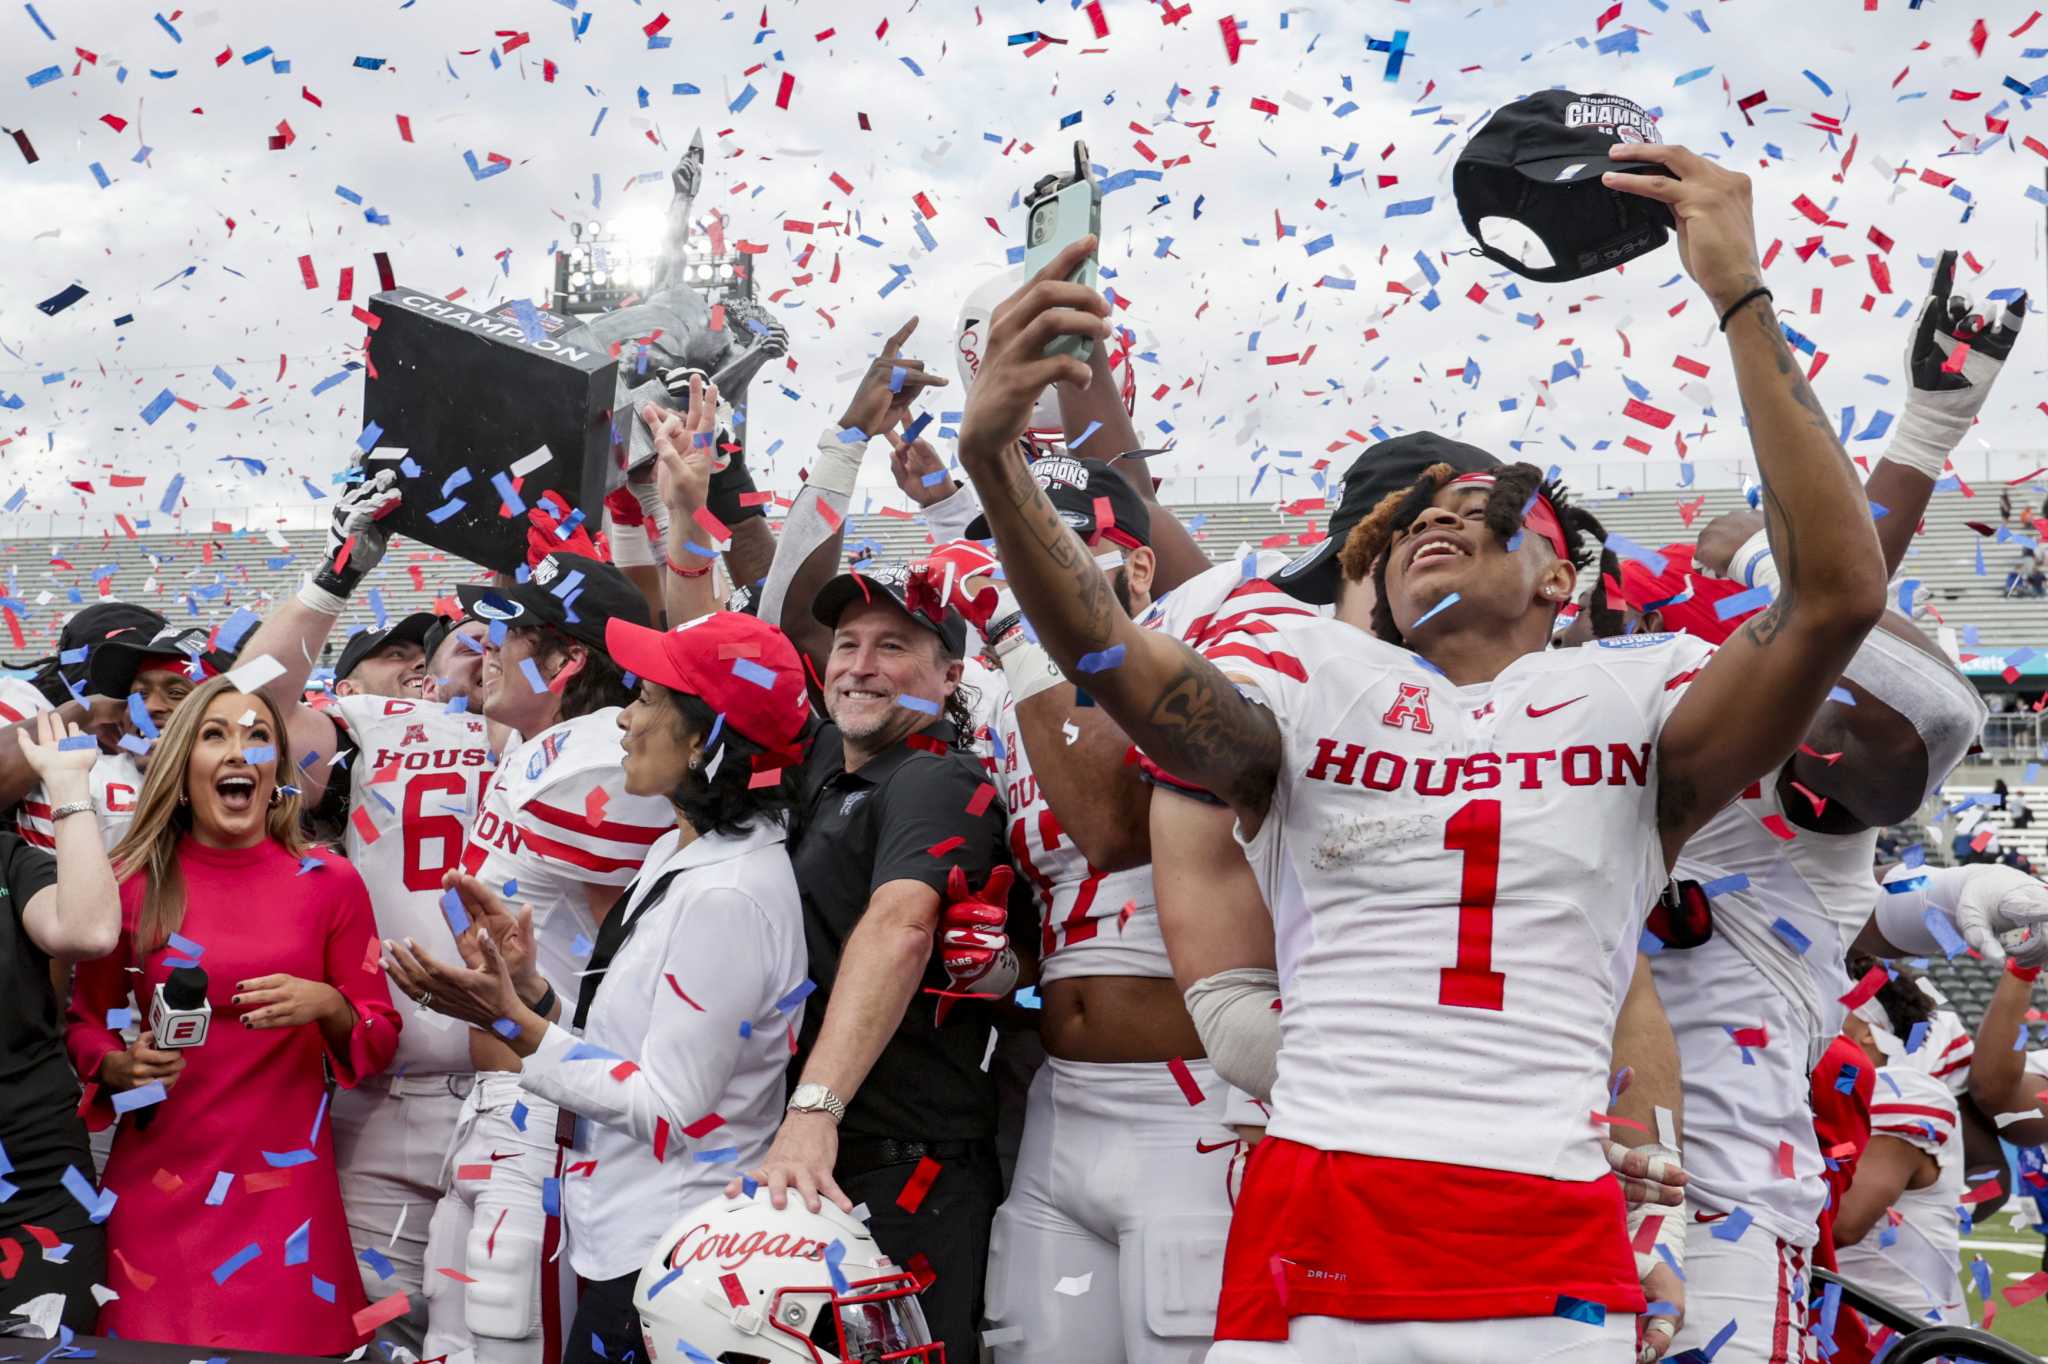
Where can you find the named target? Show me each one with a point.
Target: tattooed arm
(1172, 703)
(1750, 707)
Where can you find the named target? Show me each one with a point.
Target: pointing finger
(902, 334)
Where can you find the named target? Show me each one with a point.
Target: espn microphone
(179, 1016)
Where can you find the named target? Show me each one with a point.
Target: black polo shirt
(903, 816)
(39, 1124)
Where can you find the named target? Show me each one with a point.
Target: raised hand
(1716, 224)
(354, 527)
(1015, 368)
(685, 448)
(891, 385)
(60, 755)
(918, 470)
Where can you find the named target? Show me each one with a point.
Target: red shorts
(1372, 1238)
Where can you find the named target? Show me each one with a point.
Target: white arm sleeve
(1237, 1016)
(949, 519)
(815, 517)
(1906, 897)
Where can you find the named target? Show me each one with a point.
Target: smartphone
(1057, 212)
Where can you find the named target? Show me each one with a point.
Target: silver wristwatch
(812, 1097)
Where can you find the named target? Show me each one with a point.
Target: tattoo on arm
(1231, 743)
(1090, 589)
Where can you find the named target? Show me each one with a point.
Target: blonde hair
(163, 816)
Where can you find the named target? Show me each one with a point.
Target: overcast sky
(1214, 293)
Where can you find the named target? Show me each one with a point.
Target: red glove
(941, 581)
(625, 507)
(544, 521)
(974, 945)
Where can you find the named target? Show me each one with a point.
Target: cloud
(1213, 298)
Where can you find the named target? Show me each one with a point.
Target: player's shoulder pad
(1905, 1082)
(575, 755)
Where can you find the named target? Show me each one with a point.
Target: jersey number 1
(1471, 982)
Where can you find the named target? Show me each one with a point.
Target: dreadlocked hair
(1902, 997)
(1365, 549)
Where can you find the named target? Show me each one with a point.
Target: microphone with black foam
(179, 1016)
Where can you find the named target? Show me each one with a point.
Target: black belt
(859, 1155)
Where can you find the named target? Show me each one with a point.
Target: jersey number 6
(1471, 982)
(419, 827)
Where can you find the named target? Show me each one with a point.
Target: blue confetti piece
(540, 684)
(747, 670)
(298, 1245)
(158, 406)
(1625, 548)
(96, 1203)
(454, 913)
(142, 1096)
(1409, 208)
(1792, 937)
(1731, 1227)
(225, 1270)
(551, 1197)
(1944, 932)
(908, 702)
(1726, 885)
(1579, 1309)
(795, 996)
(654, 1289)
(322, 1289)
(505, 1028)
(374, 1258)
(285, 1160)
(1916, 1037)
(724, 1155)
(834, 1255)
(1729, 607)
(1103, 660)
(260, 755)
(45, 76)
(218, 1194)
(1446, 604)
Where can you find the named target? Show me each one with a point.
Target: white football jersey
(1755, 1006)
(1475, 865)
(1091, 923)
(556, 818)
(20, 699)
(414, 783)
(116, 784)
(1913, 1260)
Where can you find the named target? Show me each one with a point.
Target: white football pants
(1757, 1282)
(1498, 1340)
(490, 1227)
(391, 1140)
(1110, 1245)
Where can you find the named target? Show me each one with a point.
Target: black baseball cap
(111, 664)
(1091, 497)
(1539, 162)
(412, 629)
(437, 633)
(1391, 466)
(572, 592)
(890, 581)
(87, 629)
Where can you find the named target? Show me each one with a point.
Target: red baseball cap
(1687, 598)
(741, 667)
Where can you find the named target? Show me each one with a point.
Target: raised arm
(1101, 405)
(1178, 707)
(683, 454)
(2000, 1083)
(79, 917)
(1777, 669)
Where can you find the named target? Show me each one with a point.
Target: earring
(184, 799)
(276, 796)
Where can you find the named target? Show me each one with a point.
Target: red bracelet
(2026, 973)
(682, 572)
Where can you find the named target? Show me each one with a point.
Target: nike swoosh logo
(1535, 714)
(1203, 1148)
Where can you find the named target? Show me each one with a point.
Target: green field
(2013, 1256)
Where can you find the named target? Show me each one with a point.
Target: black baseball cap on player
(412, 629)
(112, 663)
(1091, 497)
(1388, 467)
(572, 592)
(1539, 162)
(891, 581)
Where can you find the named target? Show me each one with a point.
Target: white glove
(356, 517)
(2004, 912)
(1940, 405)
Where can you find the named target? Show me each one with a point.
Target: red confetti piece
(979, 801)
(1751, 1039)
(918, 1185)
(670, 978)
(1185, 1078)
(385, 280)
(1690, 366)
(1866, 988)
(785, 90)
(404, 128)
(719, 532)
(1232, 42)
(2027, 1289)
(454, 1274)
(1749, 102)
(593, 806)
(1776, 824)
(710, 1122)
(1096, 18)
(10, 1257)
(625, 1070)
(474, 1172)
(942, 848)
(1983, 1193)
(364, 827)
(377, 1313)
(924, 204)
(1785, 1160)
(306, 272)
(660, 1139)
(1643, 412)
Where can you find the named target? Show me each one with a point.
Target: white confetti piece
(1074, 1287)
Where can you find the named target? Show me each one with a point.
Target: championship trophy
(486, 411)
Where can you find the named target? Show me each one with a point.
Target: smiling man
(894, 806)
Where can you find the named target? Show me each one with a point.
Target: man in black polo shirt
(892, 804)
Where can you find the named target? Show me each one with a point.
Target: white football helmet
(970, 335)
(735, 1276)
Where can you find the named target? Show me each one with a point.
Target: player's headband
(1539, 516)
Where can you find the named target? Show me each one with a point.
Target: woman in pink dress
(225, 1228)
